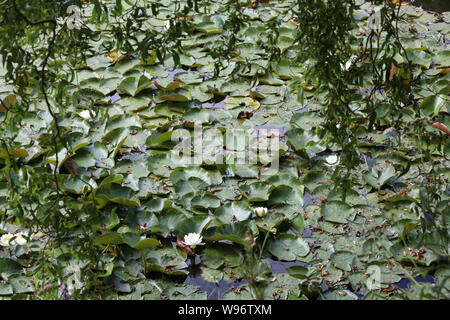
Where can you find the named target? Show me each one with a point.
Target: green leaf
(235, 232)
(288, 247)
(343, 260)
(432, 105)
(286, 195)
(221, 254)
(9, 267)
(14, 153)
(212, 275)
(111, 238)
(336, 211)
(195, 224)
(166, 260)
(115, 193)
(133, 85)
(298, 223)
(300, 272)
(233, 211)
(147, 244)
(108, 270)
(257, 192)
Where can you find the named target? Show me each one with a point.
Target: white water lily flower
(5, 239)
(20, 240)
(193, 239)
(13, 239)
(85, 114)
(260, 211)
(332, 159)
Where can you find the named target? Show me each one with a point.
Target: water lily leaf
(302, 140)
(133, 85)
(208, 28)
(343, 260)
(257, 192)
(112, 238)
(340, 295)
(336, 211)
(14, 153)
(234, 232)
(77, 140)
(378, 178)
(157, 204)
(288, 247)
(269, 221)
(212, 275)
(184, 292)
(233, 211)
(420, 58)
(146, 244)
(298, 224)
(285, 179)
(195, 224)
(84, 158)
(221, 254)
(7, 102)
(166, 84)
(72, 183)
(399, 198)
(166, 260)
(211, 177)
(108, 270)
(235, 102)
(107, 220)
(170, 220)
(177, 95)
(22, 285)
(9, 267)
(271, 79)
(300, 272)
(143, 221)
(286, 195)
(6, 289)
(241, 293)
(198, 115)
(200, 94)
(116, 138)
(117, 194)
(442, 58)
(123, 121)
(432, 105)
(114, 178)
(205, 200)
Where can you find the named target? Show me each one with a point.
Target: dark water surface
(433, 5)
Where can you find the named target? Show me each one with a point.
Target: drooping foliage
(94, 92)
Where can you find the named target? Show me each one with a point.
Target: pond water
(433, 5)
(216, 291)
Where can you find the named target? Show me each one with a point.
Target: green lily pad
(133, 85)
(336, 211)
(233, 212)
(288, 247)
